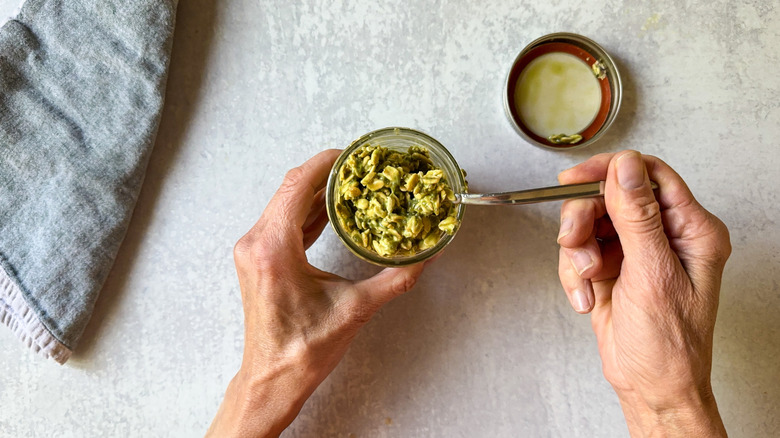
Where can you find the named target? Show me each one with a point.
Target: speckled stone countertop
(486, 344)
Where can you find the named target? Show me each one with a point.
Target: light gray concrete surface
(486, 344)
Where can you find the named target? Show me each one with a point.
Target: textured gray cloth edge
(81, 92)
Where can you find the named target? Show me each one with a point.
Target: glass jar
(398, 139)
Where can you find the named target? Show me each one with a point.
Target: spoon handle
(545, 194)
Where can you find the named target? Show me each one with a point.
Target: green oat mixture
(394, 203)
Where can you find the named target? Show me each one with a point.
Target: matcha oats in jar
(390, 197)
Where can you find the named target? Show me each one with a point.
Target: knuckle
(293, 177)
(258, 253)
(242, 248)
(403, 284)
(712, 238)
(725, 238)
(644, 214)
(721, 242)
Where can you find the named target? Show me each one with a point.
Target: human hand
(298, 319)
(648, 268)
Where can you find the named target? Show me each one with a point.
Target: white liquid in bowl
(557, 93)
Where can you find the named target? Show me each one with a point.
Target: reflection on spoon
(532, 196)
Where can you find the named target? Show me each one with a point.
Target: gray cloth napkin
(81, 92)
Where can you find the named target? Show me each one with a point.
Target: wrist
(693, 414)
(263, 401)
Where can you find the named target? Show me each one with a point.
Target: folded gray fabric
(81, 92)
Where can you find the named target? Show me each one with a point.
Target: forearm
(696, 415)
(261, 404)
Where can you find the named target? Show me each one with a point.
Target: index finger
(290, 204)
(672, 191)
(593, 169)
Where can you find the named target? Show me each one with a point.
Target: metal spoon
(544, 194)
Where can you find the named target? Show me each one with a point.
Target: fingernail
(581, 261)
(630, 170)
(566, 226)
(580, 301)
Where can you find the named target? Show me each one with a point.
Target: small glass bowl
(399, 139)
(587, 50)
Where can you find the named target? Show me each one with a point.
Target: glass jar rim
(402, 138)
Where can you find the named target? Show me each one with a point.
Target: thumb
(388, 284)
(634, 211)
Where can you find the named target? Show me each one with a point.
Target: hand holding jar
(298, 319)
